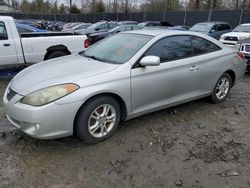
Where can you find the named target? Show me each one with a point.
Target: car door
(208, 58)
(8, 53)
(174, 80)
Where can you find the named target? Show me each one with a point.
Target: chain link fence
(188, 18)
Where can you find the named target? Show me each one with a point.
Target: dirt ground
(194, 145)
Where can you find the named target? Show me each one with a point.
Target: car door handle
(6, 45)
(194, 68)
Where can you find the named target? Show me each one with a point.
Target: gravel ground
(196, 145)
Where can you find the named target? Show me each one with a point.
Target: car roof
(213, 23)
(247, 24)
(157, 32)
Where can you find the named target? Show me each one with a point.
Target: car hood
(237, 34)
(58, 71)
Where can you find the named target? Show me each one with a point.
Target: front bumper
(46, 122)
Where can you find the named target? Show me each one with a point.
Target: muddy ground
(194, 145)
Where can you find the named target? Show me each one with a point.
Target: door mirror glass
(150, 61)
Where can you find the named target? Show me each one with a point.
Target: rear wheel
(222, 88)
(56, 54)
(97, 120)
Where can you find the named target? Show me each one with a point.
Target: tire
(87, 126)
(56, 54)
(216, 96)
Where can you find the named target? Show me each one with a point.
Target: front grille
(247, 48)
(232, 38)
(11, 93)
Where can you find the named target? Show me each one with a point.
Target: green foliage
(74, 9)
(62, 9)
(160, 5)
(100, 7)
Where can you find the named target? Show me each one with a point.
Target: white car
(22, 49)
(239, 33)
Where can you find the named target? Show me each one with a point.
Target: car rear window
(203, 46)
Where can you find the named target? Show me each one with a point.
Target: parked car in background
(127, 23)
(212, 29)
(155, 23)
(99, 26)
(70, 25)
(55, 26)
(180, 28)
(244, 47)
(28, 48)
(22, 28)
(121, 77)
(95, 37)
(78, 27)
(239, 33)
(30, 22)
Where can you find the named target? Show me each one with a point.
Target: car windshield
(201, 28)
(93, 26)
(114, 29)
(117, 49)
(242, 28)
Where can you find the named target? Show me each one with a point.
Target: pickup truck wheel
(222, 88)
(56, 54)
(97, 120)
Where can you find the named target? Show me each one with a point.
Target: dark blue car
(22, 28)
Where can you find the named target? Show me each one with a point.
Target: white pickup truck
(23, 49)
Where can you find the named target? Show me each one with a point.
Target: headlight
(222, 37)
(241, 37)
(49, 94)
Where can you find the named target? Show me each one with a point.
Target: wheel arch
(55, 48)
(117, 97)
(232, 75)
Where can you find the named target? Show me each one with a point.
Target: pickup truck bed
(28, 48)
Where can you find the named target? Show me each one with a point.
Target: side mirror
(150, 61)
(97, 29)
(118, 31)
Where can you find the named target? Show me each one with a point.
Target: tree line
(99, 6)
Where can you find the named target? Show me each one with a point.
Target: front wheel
(222, 88)
(97, 120)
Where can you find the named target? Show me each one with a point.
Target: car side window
(220, 27)
(203, 46)
(3, 32)
(172, 48)
(227, 27)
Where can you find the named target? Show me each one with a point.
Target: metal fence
(188, 18)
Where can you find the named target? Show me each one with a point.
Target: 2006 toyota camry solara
(119, 78)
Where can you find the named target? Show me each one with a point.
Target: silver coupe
(119, 78)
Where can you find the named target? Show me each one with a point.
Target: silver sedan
(119, 78)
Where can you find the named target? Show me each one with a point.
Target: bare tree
(197, 5)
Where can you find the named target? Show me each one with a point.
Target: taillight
(241, 55)
(86, 43)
